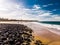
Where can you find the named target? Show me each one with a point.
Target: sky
(42, 10)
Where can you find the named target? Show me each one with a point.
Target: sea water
(54, 28)
(51, 24)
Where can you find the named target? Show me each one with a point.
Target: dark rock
(14, 34)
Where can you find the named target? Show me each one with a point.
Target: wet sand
(47, 35)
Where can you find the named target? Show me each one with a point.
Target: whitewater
(51, 27)
(56, 28)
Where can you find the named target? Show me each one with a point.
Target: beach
(48, 34)
(45, 34)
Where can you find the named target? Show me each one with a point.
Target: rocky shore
(14, 34)
(27, 34)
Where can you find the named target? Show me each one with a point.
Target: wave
(55, 28)
(52, 26)
(49, 25)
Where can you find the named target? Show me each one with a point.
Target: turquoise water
(51, 22)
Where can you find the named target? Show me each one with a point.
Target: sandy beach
(45, 34)
(48, 34)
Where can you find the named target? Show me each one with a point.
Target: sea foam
(52, 28)
(49, 25)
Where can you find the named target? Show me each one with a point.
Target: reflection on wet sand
(42, 33)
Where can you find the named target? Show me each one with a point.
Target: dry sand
(45, 34)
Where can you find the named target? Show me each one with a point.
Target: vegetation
(6, 19)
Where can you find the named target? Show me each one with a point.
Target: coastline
(35, 26)
(45, 34)
(41, 32)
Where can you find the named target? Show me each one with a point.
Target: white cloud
(36, 7)
(55, 18)
(14, 10)
(47, 5)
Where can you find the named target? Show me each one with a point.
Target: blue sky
(49, 5)
(42, 10)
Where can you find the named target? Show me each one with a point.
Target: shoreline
(34, 25)
(44, 33)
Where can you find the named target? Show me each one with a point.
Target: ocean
(51, 24)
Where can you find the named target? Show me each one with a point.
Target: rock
(11, 34)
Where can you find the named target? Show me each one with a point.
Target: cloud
(10, 9)
(36, 7)
(55, 18)
(54, 9)
(45, 5)
(48, 5)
